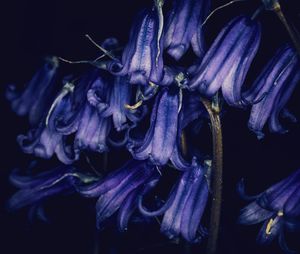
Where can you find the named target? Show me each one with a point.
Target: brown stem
(217, 171)
(291, 31)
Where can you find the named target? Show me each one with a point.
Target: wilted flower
(184, 27)
(278, 207)
(120, 189)
(227, 61)
(271, 91)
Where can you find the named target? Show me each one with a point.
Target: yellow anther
(269, 226)
(135, 106)
(183, 143)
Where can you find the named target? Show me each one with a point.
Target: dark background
(31, 29)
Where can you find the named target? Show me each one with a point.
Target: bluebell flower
(112, 99)
(36, 99)
(35, 189)
(277, 207)
(44, 143)
(162, 142)
(185, 206)
(159, 141)
(184, 27)
(92, 131)
(272, 90)
(142, 57)
(66, 109)
(120, 189)
(227, 61)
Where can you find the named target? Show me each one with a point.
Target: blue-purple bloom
(44, 143)
(160, 140)
(35, 100)
(111, 98)
(38, 188)
(272, 90)
(66, 109)
(184, 27)
(278, 207)
(226, 63)
(185, 206)
(120, 189)
(92, 131)
(142, 57)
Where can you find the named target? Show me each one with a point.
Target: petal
(220, 66)
(110, 202)
(183, 22)
(253, 214)
(273, 82)
(171, 222)
(194, 208)
(165, 131)
(111, 181)
(141, 58)
(40, 87)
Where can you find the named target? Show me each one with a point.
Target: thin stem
(106, 52)
(291, 31)
(213, 110)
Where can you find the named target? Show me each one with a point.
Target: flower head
(35, 189)
(278, 207)
(271, 91)
(142, 58)
(160, 139)
(228, 59)
(35, 100)
(120, 189)
(183, 27)
(185, 206)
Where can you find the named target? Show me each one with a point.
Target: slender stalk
(213, 110)
(291, 31)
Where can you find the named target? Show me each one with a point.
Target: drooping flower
(277, 207)
(120, 189)
(37, 97)
(65, 112)
(160, 139)
(183, 27)
(272, 90)
(36, 189)
(92, 131)
(171, 113)
(185, 206)
(44, 143)
(112, 99)
(142, 57)
(226, 63)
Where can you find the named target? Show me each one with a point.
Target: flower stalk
(213, 109)
(275, 6)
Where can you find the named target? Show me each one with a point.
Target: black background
(31, 29)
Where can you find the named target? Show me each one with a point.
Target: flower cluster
(135, 101)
